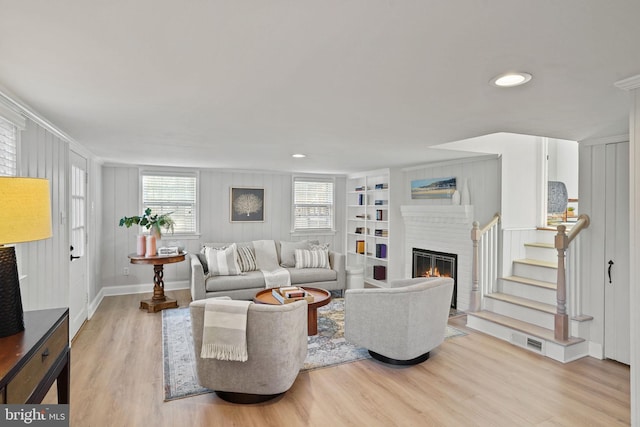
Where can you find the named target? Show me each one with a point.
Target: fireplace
(428, 263)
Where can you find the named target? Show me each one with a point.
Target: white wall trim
(15, 104)
(634, 253)
(596, 350)
(93, 305)
(629, 83)
(142, 288)
(12, 115)
(459, 161)
(604, 140)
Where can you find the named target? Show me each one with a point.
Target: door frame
(75, 324)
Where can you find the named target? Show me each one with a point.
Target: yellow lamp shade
(25, 210)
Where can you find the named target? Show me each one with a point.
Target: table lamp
(25, 216)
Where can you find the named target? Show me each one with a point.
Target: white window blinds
(8, 148)
(312, 204)
(174, 194)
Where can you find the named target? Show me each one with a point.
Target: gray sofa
(246, 285)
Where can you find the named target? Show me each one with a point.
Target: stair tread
(539, 263)
(525, 302)
(524, 327)
(532, 282)
(541, 245)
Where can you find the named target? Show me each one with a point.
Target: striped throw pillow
(247, 259)
(306, 258)
(223, 261)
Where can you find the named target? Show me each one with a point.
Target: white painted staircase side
(522, 308)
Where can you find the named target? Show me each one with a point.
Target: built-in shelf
(376, 205)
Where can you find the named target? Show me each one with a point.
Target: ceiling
(353, 84)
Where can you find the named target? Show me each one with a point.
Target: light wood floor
(472, 380)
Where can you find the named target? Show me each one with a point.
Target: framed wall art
(246, 204)
(433, 188)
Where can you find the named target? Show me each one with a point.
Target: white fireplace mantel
(438, 213)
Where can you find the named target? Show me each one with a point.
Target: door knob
(71, 257)
(609, 269)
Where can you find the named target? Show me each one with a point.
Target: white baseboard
(596, 350)
(93, 305)
(109, 291)
(143, 288)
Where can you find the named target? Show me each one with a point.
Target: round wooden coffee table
(320, 297)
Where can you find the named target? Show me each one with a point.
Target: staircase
(521, 308)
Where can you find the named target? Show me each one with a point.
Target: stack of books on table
(290, 294)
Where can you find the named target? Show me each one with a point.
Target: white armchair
(402, 324)
(276, 345)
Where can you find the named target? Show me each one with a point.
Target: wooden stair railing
(562, 241)
(484, 267)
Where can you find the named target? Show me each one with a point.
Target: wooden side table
(31, 360)
(159, 301)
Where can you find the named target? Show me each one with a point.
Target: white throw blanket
(224, 335)
(267, 262)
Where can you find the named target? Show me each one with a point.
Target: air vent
(527, 342)
(534, 344)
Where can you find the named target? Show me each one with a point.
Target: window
(312, 204)
(8, 148)
(173, 193)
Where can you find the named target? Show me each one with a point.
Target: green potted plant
(153, 223)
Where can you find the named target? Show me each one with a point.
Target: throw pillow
(319, 246)
(247, 259)
(223, 261)
(203, 260)
(288, 252)
(306, 258)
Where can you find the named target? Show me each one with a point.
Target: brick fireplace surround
(442, 228)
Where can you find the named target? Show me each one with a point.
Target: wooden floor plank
(472, 380)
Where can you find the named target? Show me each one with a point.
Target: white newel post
(475, 302)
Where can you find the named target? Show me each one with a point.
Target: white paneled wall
(120, 193)
(483, 180)
(45, 263)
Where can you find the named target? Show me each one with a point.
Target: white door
(616, 199)
(78, 297)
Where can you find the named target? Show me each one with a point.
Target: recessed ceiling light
(511, 79)
(299, 156)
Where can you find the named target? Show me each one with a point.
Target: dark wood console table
(30, 361)
(159, 301)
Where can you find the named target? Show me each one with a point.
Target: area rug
(327, 348)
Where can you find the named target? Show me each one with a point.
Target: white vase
(465, 198)
(455, 199)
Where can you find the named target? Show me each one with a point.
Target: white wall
(483, 180)
(46, 262)
(520, 174)
(94, 221)
(592, 186)
(563, 164)
(120, 192)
